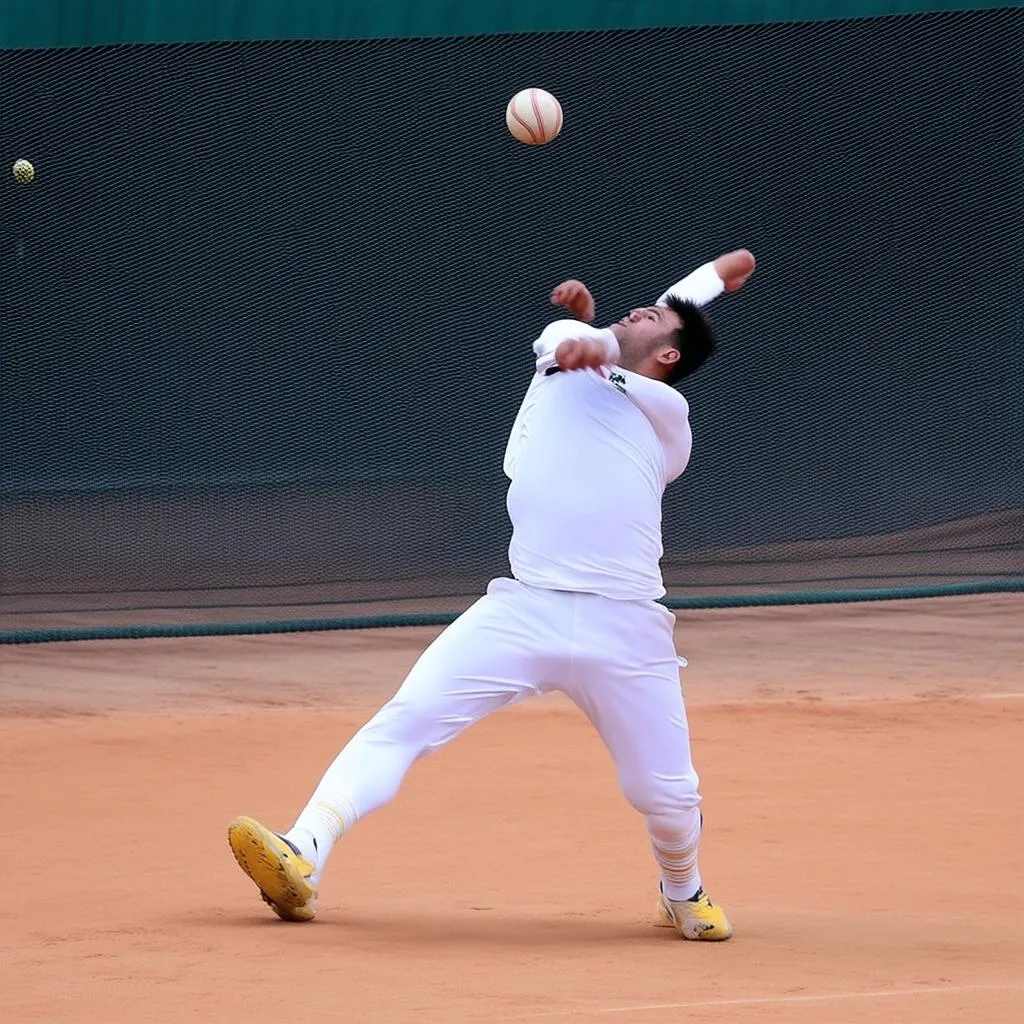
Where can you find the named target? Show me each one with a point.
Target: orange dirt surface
(863, 775)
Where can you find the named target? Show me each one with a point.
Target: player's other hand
(735, 267)
(576, 297)
(581, 354)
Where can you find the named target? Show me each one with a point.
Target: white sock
(317, 829)
(675, 839)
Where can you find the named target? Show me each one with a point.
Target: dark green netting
(266, 311)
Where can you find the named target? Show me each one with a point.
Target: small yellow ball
(23, 171)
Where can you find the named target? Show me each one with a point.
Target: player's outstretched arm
(728, 273)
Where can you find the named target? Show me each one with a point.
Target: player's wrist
(700, 287)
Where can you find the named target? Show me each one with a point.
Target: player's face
(643, 332)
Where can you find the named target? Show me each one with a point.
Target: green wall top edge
(49, 24)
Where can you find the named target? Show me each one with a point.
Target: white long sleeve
(667, 411)
(544, 349)
(699, 287)
(561, 330)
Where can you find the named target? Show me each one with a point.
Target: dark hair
(695, 340)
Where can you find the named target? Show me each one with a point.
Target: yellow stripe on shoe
(698, 919)
(282, 876)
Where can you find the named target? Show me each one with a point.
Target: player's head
(665, 342)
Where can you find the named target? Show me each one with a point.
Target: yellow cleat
(278, 869)
(698, 918)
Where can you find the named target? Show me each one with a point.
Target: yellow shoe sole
(280, 875)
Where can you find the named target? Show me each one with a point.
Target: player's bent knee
(651, 794)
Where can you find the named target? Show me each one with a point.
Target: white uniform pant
(615, 659)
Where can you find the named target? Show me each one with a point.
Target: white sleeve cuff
(700, 287)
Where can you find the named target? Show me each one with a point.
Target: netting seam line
(145, 632)
(468, 595)
(997, 548)
(994, 586)
(72, 610)
(171, 592)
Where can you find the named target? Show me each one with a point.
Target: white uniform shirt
(589, 457)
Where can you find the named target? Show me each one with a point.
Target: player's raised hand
(575, 296)
(734, 268)
(581, 354)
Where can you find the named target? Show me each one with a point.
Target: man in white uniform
(600, 434)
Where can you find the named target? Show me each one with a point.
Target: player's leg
(485, 660)
(628, 685)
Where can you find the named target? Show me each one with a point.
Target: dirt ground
(863, 774)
